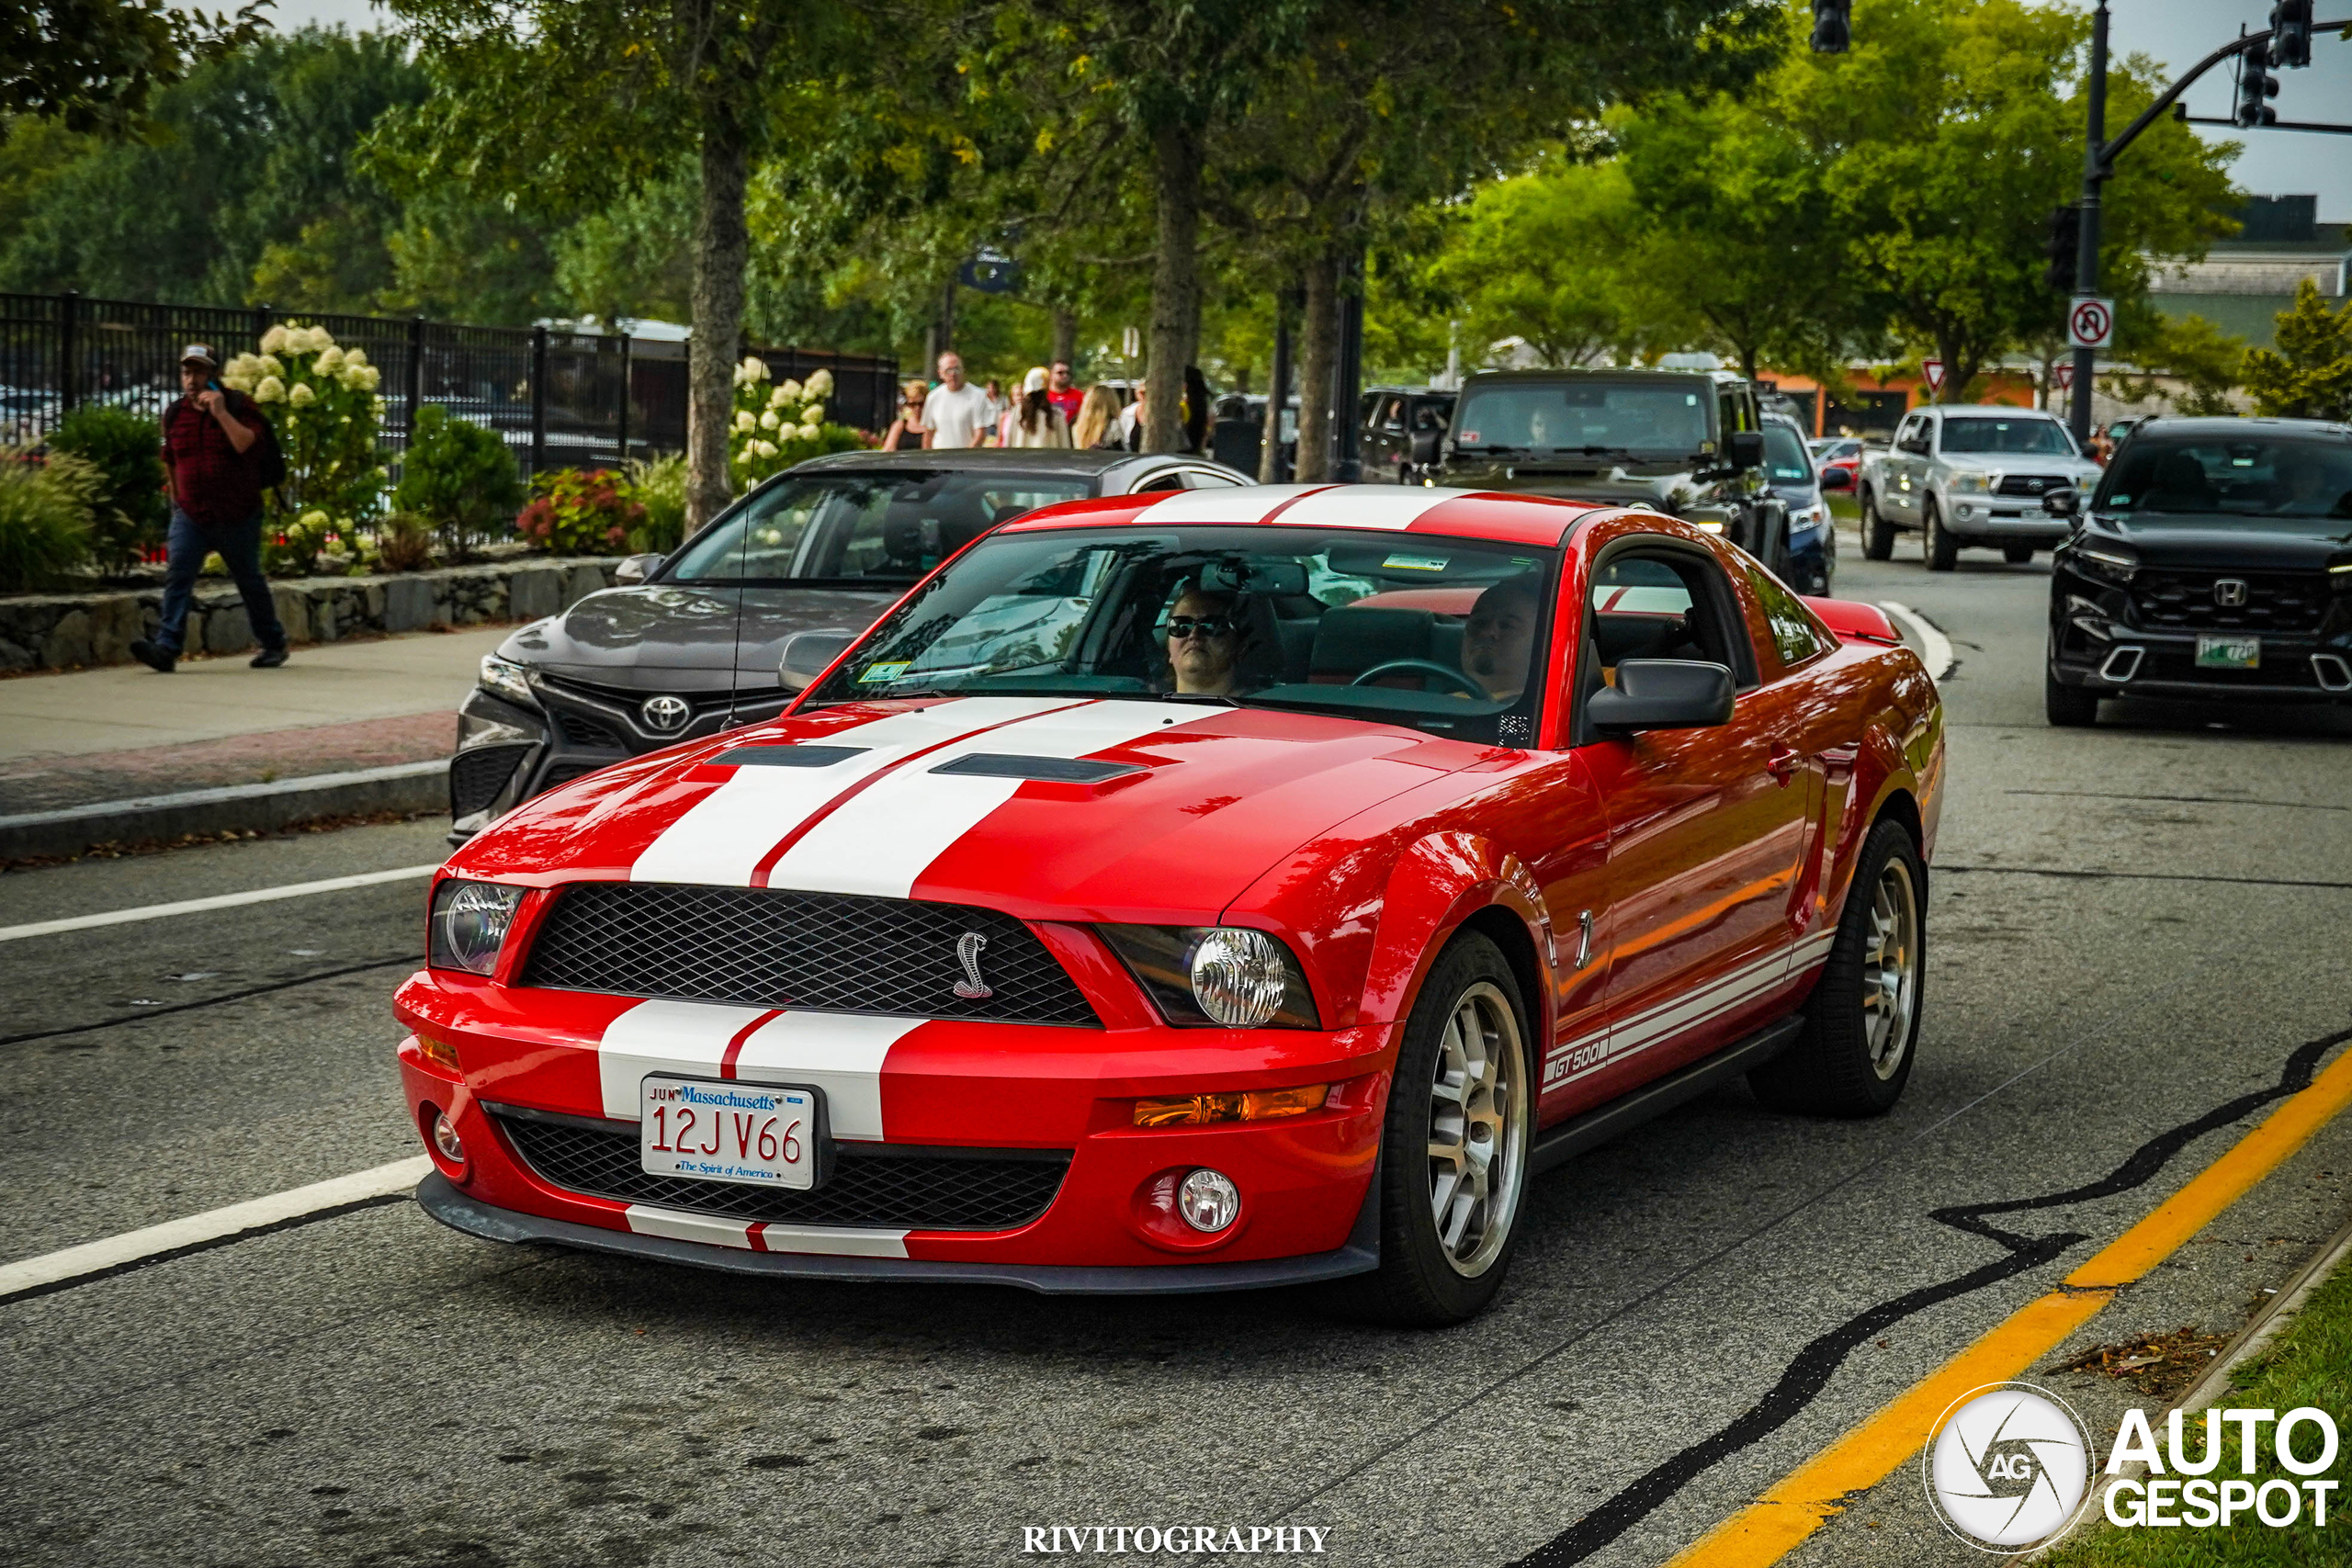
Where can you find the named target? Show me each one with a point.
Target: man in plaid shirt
(211, 473)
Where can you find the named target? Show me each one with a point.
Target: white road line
(1934, 648)
(216, 1224)
(217, 901)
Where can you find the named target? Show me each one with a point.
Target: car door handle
(1783, 762)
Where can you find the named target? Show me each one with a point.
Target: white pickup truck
(1970, 476)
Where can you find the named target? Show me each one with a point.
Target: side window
(1794, 635)
(1663, 604)
(1209, 479)
(1170, 480)
(1914, 434)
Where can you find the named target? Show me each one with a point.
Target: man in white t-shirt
(956, 413)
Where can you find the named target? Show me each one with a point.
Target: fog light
(445, 1139)
(1208, 1201)
(1964, 509)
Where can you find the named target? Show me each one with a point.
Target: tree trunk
(1175, 275)
(1065, 336)
(722, 243)
(1319, 330)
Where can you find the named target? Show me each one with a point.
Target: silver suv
(1970, 476)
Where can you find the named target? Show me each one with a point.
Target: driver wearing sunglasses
(1203, 640)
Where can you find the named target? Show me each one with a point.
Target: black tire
(1878, 534)
(1419, 1284)
(1844, 1064)
(2067, 708)
(2017, 555)
(1940, 548)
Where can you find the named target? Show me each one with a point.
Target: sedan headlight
(2114, 565)
(504, 677)
(1232, 976)
(470, 920)
(1969, 484)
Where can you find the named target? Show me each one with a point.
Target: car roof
(1040, 460)
(2228, 426)
(2004, 410)
(1712, 377)
(1421, 509)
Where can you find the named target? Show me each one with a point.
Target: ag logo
(663, 713)
(2006, 1467)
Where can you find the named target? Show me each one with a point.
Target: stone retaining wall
(58, 631)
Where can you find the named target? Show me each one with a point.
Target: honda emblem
(2229, 591)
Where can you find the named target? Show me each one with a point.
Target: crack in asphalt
(1811, 1369)
(211, 1001)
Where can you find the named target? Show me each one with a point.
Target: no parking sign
(2090, 323)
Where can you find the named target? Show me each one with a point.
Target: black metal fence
(561, 399)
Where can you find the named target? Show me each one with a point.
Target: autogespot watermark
(1120, 1540)
(2008, 1466)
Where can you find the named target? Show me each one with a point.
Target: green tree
(2205, 362)
(1534, 259)
(92, 65)
(2309, 375)
(459, 476)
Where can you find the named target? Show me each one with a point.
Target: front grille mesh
(582, 730)
(2275, 601)
(477, 776)
(817, 952)
(2032, 484)
(986, 1190)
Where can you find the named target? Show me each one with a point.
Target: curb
(403, 786)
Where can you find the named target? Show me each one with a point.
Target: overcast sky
(2175, 33)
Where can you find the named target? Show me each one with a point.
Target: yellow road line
(1798, 1505)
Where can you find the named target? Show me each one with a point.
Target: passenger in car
(1498, 643)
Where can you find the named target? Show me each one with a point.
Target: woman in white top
(1034, 421)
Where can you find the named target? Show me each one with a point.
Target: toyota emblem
(2229, 591)
(664, 714)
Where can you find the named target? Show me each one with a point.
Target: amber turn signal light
(1242, 1105)
(438, 1052)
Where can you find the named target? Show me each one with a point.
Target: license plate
(719, 1131)
(2229, 653)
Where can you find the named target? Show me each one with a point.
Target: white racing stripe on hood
(1227, 505)
(723, 837)
(881, 842)
(1367, 506)
(686, 1038)
(840, 1053)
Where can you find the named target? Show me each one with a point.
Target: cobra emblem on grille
(2229, 591)
(971, 987)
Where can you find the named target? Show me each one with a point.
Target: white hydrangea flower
(268, 365)
(375, 376)
(813, 414)
(355, 376)
(314, 518)
(274, 340)
(768, 420)
(789, 393)
(821, 384)
(330, 360)
(300, 395)
(269, 389)
(235, 382)
(765, 448)
(753, 369)
(809, 431)
(355, 356)
(319, 338)
(743, 420)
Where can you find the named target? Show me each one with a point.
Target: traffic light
(2291, 33)
(2064, 249)
(2256, 85)
(1833, 25)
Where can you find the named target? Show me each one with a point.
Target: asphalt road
(2130, 926)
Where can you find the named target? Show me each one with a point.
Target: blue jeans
(239, 545)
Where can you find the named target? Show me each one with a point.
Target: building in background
(2244, 282)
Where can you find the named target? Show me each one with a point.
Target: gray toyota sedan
(694, 643)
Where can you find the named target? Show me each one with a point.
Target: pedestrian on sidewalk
(956, 413)
(1064, 393)
(214, 440)
(905, 432)
(1098, 420)
(1035, 421)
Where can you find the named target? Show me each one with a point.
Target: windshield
(1443, 635)
(2030, 437)
(1598, 417)
(2213, 477)
(856, 529)
(1784, 459)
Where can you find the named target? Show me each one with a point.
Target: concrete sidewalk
(74, 747)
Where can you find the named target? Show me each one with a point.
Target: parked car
(1970, 476)
(1837, 459)
(1403, 427)
(1808, 556)
(1687, 442)
(2212, 564)
(1462, 832)
(691, 644)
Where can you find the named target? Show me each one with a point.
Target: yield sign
(2065, 371)
(1934, 370)
(2090, 324)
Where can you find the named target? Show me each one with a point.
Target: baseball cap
(200, 352)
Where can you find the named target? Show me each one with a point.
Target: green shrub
(131, 511)
(461, 478)
(576, 512)
(659, 484)
(45, 508)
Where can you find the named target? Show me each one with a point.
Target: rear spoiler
(1852, 620)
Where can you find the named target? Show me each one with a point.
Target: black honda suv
(2213, 562)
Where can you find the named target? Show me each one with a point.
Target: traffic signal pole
(2097, 167)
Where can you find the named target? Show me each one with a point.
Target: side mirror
(1425, 446)
(1747, 448)
(2063, 503)
(637, 569)
(1663, 694)
(1836, 478)
(807, 655)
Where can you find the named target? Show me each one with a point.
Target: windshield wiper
(1198, 697)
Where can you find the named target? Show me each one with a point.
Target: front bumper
(2096, 646)
(2003, 520)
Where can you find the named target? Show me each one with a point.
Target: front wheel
(2017, 555)
(1943, 550)
(2067, 708)
(1878, 534)
(1862, 1023)
(1454, 1149)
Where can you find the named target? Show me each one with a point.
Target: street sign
(2090, 324)
(2065, 372)
(1130, 344)
(1934, 371)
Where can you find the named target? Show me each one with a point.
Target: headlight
(1811, 516)
(2112, 564)
(504, 677)
(470, 920)
(1230, 975)
(1968, 484)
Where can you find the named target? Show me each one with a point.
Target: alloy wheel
(1891, 969)
(1479, 1119)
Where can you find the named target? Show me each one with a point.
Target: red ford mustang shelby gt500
(1228, 889)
